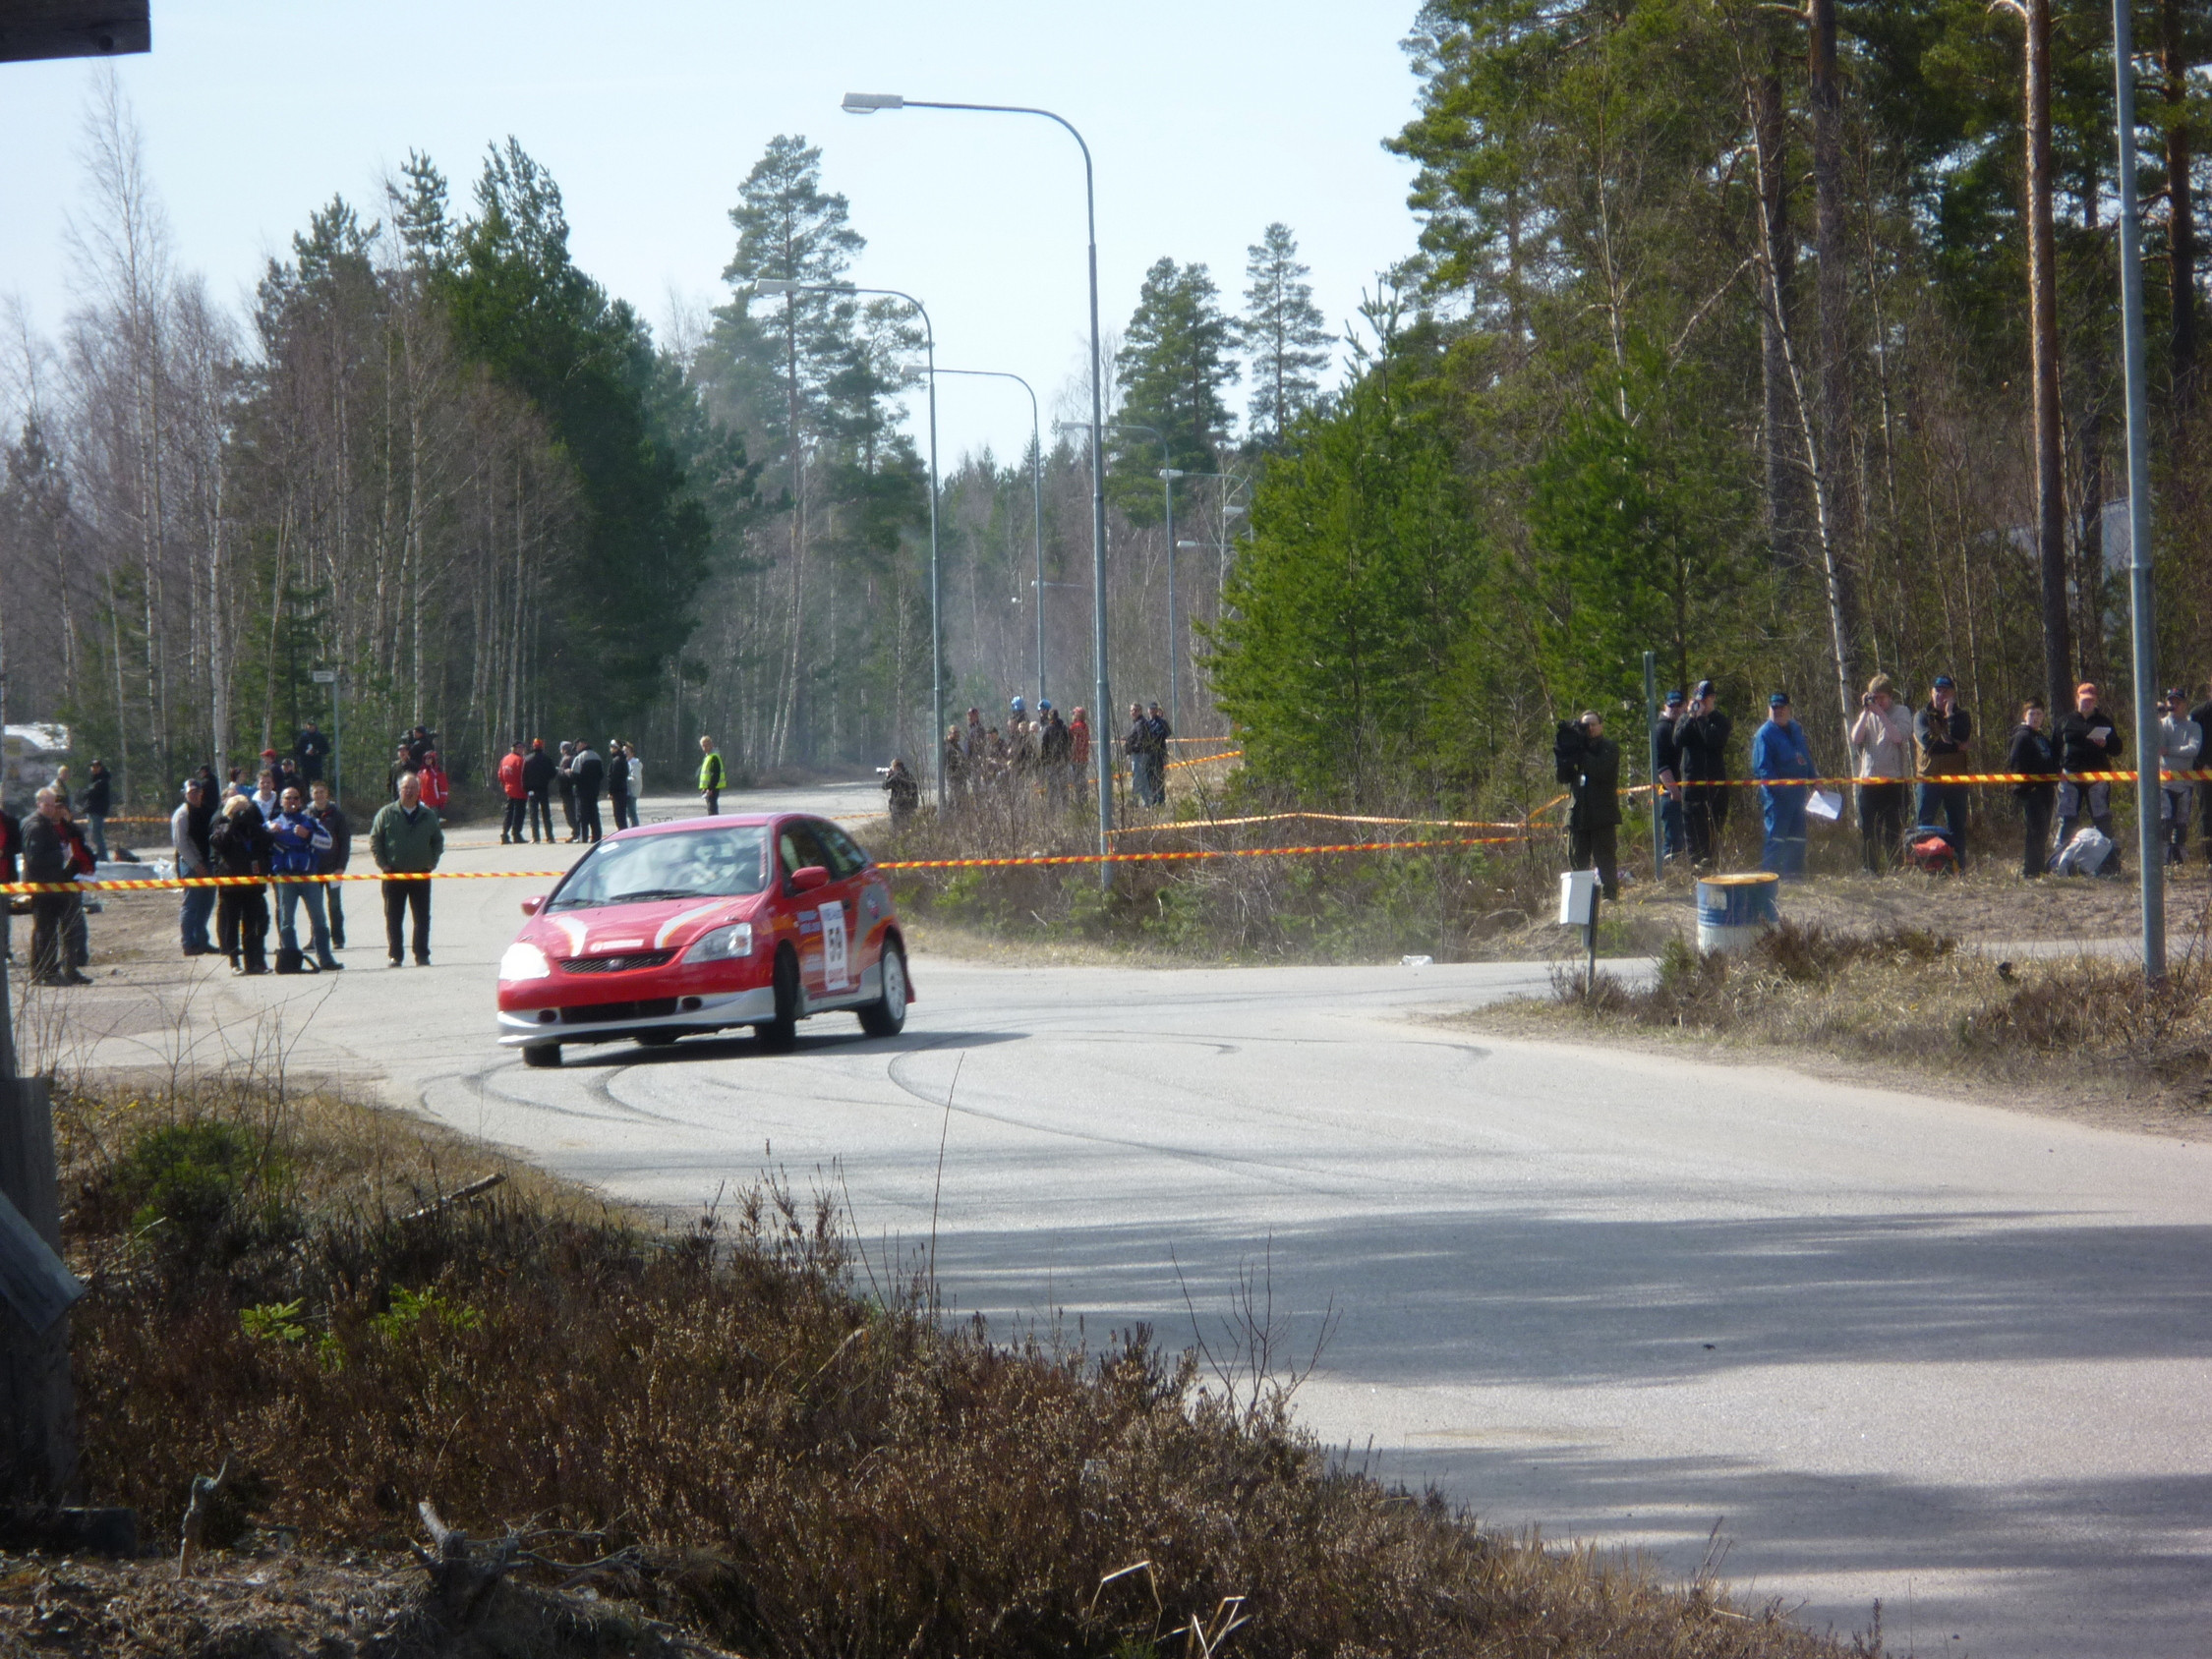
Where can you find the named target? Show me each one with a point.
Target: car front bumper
(613, 1022)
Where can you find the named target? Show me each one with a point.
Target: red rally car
(700, 925)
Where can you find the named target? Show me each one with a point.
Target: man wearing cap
(189, 828)
(1883, 737)
(1668, 770)
(2180, 741)
(1700, 740)
(1940, 732)
(1778, 751)
(2088, 740)
(1594, 826)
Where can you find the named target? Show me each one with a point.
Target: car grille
(595, 1012)
(617, 964)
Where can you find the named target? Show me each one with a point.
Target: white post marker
(1578, 907)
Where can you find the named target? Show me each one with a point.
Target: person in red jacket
(437, 789)
(518, 796)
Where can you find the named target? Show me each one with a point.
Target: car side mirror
(812, 876)
(530, 906)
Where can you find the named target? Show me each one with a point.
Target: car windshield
(718, 863)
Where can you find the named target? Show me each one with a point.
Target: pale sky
(1207, 121)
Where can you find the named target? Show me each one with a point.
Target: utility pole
(2147, 846)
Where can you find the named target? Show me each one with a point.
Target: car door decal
(835, 965)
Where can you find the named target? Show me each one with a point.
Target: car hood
(607, 930)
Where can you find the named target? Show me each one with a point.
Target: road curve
(1948, 1355)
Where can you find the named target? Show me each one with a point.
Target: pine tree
(1174, 367)
(788, 229)
(1284, 337)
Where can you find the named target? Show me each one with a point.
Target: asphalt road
(1894, 1346)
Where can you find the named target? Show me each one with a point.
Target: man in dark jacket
(1594, 826)
(49, 841)
(619, 784)
(1700, 740)
(1940, 732)
(588, 775)
(2032, 753)
(537, 783)
(241, 845)
(99, 797)
(1668, 772)
(332, 818)
(312, 749)
(2088, 740)
(189, 828)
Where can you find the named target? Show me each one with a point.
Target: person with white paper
(1778, 751)
(2089, 741)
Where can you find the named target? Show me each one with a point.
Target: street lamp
(867, 103)
(1037, 495)
(776, 285)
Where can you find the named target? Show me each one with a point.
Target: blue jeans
(1785, 851)
(96, 832)
(1949, 799)
(290, 895)
(1670, 826)
(198, 906)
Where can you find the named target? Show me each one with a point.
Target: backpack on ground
(290, 960)
(1931, 848)
(2087, 853)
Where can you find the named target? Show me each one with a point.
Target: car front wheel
(541, 1055)
(777, 1035)
(887, 1016)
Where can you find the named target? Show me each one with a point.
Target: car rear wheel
(541, 1055)
(887, 1016)
(778, 1034)
(657, 1039)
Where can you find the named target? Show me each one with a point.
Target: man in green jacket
(407, 838)
(714, 777)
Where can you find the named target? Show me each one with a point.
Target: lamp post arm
(1037, 494)
(1097, 431)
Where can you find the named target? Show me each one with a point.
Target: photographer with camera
(1883, 737)
(1588, 762)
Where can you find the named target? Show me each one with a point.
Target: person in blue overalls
(1779, 750)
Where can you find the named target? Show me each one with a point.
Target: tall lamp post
(1037, 495)
(776, 285)
(867, 103)
(2138, 504)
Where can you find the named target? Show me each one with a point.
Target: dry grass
(1456, 904)
(1915, 1000)
(752, 1430)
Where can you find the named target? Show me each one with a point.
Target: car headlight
(524, 960)
(722, 945)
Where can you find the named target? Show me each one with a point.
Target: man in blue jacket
(1778, 751)
(301, 841)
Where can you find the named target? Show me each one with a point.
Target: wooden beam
(73, 29)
